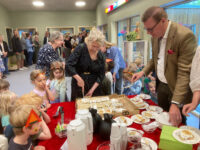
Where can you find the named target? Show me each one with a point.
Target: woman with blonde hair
(86, 66)
(113, 52)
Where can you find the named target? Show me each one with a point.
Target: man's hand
(174, 115)
(188, 108)
(137, 76)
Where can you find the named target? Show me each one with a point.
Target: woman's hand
(79, 80)
(90, 93)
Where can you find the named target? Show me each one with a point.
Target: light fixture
(80, 3)
(38, 3)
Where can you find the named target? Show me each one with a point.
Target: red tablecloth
(69, 108)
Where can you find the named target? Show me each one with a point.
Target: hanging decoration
(115, 5)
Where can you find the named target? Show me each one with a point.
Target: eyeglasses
(151, 29)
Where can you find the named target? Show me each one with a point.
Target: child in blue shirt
(130, 88)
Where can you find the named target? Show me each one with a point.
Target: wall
(5, 21)
(132, 8)
(41, 19)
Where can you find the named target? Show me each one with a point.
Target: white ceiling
(50, 5)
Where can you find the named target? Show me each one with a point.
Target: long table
(69, 108)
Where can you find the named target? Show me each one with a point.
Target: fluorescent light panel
(38, 3)
(80, 3)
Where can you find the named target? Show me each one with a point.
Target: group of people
(96, 65)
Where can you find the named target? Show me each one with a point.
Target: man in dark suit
(173, 47)
(4, 51)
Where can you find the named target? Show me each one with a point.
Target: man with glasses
(173, 47)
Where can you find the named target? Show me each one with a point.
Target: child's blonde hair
(30, 99)
(7, 98)
(152, 83)
(132, 68)
(4, 84)
(138, 61)
(35, 73)
(19, 116)
(56, 65)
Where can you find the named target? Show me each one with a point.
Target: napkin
(168, 142)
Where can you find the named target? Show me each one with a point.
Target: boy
(26, 124)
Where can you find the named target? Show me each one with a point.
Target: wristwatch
(177, 104)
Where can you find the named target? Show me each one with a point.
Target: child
(26, 123)
(4, 85)
(138, 62)
(131, 88)
(152, 89)
(109, 67)
(41, 89)
(58, 82)
(7, 99)
(34, 100)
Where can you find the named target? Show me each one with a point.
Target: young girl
(41, 89)
(152, 89)
(58, 82)
(129, 87)
(7, 99)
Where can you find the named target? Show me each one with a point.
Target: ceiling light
(80, 3)
(38, 3)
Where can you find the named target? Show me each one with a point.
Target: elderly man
(4, 54)
(173, 47)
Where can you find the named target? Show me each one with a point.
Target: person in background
(139, 63)
(109, 66)
(87, 66)
(113, 53)
(68, 46)
(129, 87)
(2, 69)
(46, 37)
(36, 48)
(24, 48)
(48, 53)
(58, 82)
(4, 54)
(152, 89)
(194, 84)
(173, 48)
(25, 129)
(17, 49)
(30, 50)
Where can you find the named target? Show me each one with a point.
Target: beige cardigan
(195, 72)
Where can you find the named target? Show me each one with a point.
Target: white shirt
(161, 56)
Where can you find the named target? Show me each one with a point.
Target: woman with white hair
(48, 53)
(87, 66)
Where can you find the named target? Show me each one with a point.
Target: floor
(20, 84)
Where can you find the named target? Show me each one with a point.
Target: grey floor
(20, 82)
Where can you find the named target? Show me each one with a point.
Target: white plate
(136, 119)
(148, 114)
(128, 120)
(191, 128)
(176, 135)
(163, 118)
(156, 109)
(136, 99)
(133, 129)
(150, 142)
(144, 96)
(143, 107)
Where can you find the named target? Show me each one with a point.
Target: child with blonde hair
(27, 123)
(152, 89)
(129, 87)
(4, 85)
(58, 82)
(34, 100)
(138, 62)
(38, 78)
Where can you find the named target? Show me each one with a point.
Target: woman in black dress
(87, 66)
